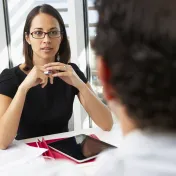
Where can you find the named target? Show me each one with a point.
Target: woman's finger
(53, 64)
(51, 79)
(58, 68)
(60, 74)
(45, 82)
(44, 79)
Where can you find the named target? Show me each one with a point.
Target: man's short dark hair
(137, 39)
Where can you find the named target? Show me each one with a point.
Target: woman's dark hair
(137, 39)
(64, 50)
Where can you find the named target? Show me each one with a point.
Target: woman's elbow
(107, 126)
(2, 146)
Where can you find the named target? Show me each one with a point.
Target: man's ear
(104, 76)
(27, 38)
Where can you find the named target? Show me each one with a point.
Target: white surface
(17, 154)
(42, 168)
(88, 168)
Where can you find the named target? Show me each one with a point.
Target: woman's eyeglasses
(41, 34)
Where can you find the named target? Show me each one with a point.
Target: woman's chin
(48, 57)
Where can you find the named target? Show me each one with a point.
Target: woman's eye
(53, 32)
(38, 33)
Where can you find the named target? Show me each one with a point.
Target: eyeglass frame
(61, 32)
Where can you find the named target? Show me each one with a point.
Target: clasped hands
(41, 75)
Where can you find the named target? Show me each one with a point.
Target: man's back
(141, 154)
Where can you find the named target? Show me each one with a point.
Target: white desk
(113, 137)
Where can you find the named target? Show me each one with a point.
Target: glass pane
(94, 81)
(18, 11)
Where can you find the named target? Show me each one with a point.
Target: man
(136, 54)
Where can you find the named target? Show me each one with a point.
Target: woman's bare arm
(10, 113)
(99, 112)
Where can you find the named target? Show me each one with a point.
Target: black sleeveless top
(46, 110)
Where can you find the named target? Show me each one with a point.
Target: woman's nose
(46, 38)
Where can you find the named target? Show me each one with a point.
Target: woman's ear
(27, 38)
(104, 76)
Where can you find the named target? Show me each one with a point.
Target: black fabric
(46, 110)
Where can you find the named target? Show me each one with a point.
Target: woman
(37, 96)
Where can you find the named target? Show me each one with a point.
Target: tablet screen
(80, 147)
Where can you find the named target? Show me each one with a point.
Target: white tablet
(80, 148)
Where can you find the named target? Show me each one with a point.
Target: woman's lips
(46, 49)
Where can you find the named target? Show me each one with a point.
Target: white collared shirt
(140, 154)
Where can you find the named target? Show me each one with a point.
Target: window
(92, 20)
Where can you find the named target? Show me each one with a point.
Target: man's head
(136, 50)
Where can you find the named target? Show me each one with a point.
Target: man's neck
(127, 124)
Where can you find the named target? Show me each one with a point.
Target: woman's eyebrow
(49, 29)
(53, 28)
(38, 28)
